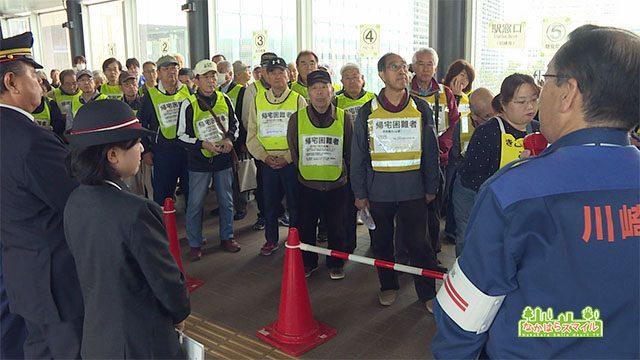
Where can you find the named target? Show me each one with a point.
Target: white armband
(465, 304)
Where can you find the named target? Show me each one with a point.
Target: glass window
(336, 29)
(547, 22)
(162, 29)
(238, 19)
(17, 26)
(106, 33)
(54, 41)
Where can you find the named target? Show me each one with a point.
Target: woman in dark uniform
(134, 294)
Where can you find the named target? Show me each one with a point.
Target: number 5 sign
(369, 41)
(259, 44)
(554, 34)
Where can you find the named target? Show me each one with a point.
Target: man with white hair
(446, 115)
(354, 95)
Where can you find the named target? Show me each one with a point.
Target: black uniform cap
(18, 48)
(105, 122)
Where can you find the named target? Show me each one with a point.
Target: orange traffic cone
(174, 245)
(296, 331)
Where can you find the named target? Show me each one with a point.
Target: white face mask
(80, 66)
(221, 78)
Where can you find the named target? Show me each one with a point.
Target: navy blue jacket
(38, 270)
(561, 231)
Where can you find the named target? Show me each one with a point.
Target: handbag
(191, 349)
(247, 174)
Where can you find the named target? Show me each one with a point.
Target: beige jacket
(253, 144)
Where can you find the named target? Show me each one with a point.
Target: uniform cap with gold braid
(18, 48)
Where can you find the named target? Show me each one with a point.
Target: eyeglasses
(533, 102)
(397, 66)
(559, 76)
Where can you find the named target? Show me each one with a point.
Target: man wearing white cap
(207, 127)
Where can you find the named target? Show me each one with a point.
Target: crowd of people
(89, 157)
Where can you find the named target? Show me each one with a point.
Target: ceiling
(10, 8)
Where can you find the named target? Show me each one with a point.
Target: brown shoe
(195, 253)
(230, 245)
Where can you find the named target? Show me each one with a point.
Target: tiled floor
(242, 290)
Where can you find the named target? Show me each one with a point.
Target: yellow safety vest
(300, 89)
(205, 127)
(43, 118)
(320, 149)
(167, 109)
(352, 106)
(443, 108)
(64, 100)
(510, 147)
(111, 91)
(395, 139)
(260, 87)
(273, 120)
(466, 125)
(77, 104)
(232, 93)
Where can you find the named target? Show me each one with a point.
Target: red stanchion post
(296, 331)
(174, 244)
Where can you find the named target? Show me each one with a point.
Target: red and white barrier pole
(369, 261)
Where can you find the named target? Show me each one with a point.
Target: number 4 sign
(369, 41)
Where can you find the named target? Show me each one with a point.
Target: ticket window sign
(369, 40)
(507, 35)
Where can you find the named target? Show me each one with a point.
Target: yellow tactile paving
(225, 343)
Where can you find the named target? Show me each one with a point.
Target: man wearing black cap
(159, 113)
(129, 87)
(89, 93)
(258, 86)
(267, 141)
(38, 270)
(319, 137)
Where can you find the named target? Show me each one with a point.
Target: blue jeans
(287, 177)
(169, 164)
(463, 200)
(198, 187)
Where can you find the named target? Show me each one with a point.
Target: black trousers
(411, 219)
(54, 341)
(311, 205)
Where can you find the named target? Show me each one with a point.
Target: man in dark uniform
(38, 270)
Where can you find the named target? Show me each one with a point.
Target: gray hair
(227, 64)
(423, 51)
(349, 66)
